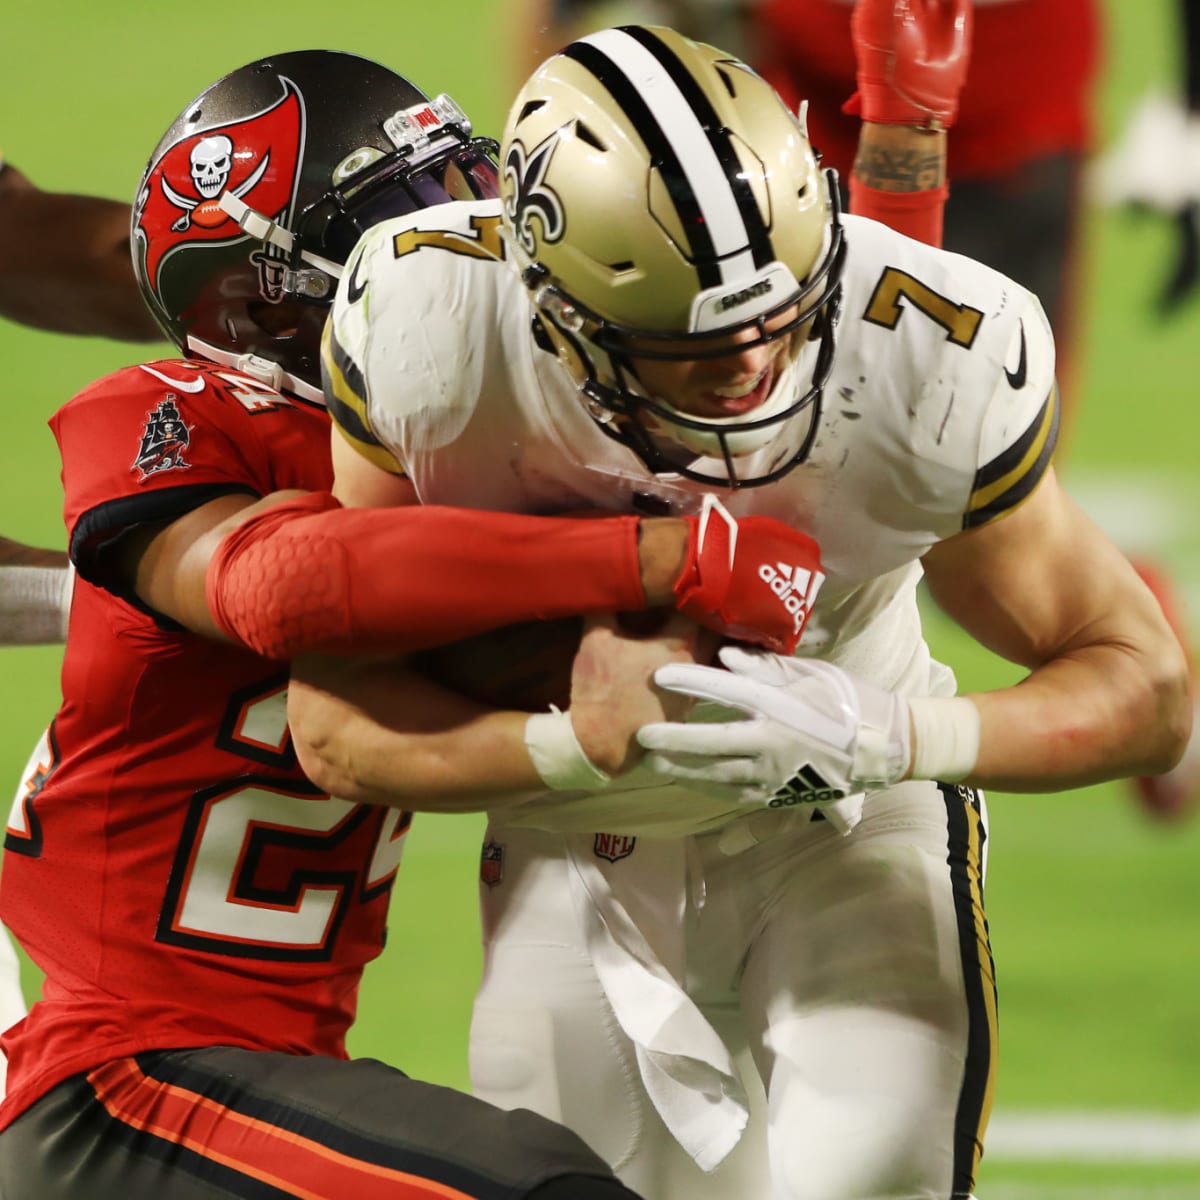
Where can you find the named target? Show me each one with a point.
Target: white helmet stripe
(680, 127)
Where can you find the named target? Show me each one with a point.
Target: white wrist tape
(945, 741)
(34, 604)
(558, 756)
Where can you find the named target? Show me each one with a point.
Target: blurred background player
(1154, 164)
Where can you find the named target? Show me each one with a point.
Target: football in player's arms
(527, 666)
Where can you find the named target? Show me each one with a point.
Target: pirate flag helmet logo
(254, 159)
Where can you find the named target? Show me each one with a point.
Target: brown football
(526, 666)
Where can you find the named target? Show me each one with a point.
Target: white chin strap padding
(258, 226)
(262, 369)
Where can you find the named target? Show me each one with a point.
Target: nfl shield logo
(613, 846)
(491, 864)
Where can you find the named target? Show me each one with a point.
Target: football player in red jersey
(202, 913)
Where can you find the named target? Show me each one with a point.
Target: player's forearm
(34, 603)
(911, 63)
(35, 594)
(1103, 712)
(374, 733)
(18, 554)
(899, 179)
(309, 576)
(65, 265)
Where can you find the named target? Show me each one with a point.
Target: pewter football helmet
(256, 194)
(659, 201)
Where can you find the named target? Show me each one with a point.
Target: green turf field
(1095, 914)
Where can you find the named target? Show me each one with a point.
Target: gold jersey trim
(1011, 476)
(346, 399)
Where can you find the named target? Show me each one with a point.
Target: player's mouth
(741, 396)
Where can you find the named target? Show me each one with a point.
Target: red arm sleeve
(308, 575)
(918, 215)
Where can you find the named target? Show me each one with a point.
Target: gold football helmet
(661, 202)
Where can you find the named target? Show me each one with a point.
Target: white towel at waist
(686, 1068)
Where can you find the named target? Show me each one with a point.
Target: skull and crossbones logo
(211, 164)
(212, 160)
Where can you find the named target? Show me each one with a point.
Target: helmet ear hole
(727, 80)
(277, 320)
(585, 134)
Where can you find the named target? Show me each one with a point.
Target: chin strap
(257, 367)
(263, 229)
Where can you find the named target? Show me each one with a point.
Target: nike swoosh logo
(1016, 379)
(354, 289)
(194, 385)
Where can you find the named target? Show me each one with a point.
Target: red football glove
(912, 60)
(753, 579)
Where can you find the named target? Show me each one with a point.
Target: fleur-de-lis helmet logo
(528, 195)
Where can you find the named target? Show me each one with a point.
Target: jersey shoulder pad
(152, 441)
(414, 288)
(1019, 429)
(963, 359)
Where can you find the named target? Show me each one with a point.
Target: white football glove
(813, 733)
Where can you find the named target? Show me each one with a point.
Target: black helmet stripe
(629, 100)
(718, 137)
(687, 142)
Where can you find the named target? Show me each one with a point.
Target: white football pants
(850, 978)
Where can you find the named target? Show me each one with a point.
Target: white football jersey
(940, 415)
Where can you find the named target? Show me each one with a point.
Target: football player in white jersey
(665, 303)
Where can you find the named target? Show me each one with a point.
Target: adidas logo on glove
(728, 562)
(807, 786)
(796, 587)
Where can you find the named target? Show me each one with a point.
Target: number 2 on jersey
(257, 873)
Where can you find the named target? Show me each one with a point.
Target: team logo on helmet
(164, 439)
(255, 159)
(529, 196)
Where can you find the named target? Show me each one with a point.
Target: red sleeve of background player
(917, 215)
(911, 58)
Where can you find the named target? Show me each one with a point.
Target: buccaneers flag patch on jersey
(164, 440)
(254, 159)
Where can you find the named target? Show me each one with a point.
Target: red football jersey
(168, 866)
